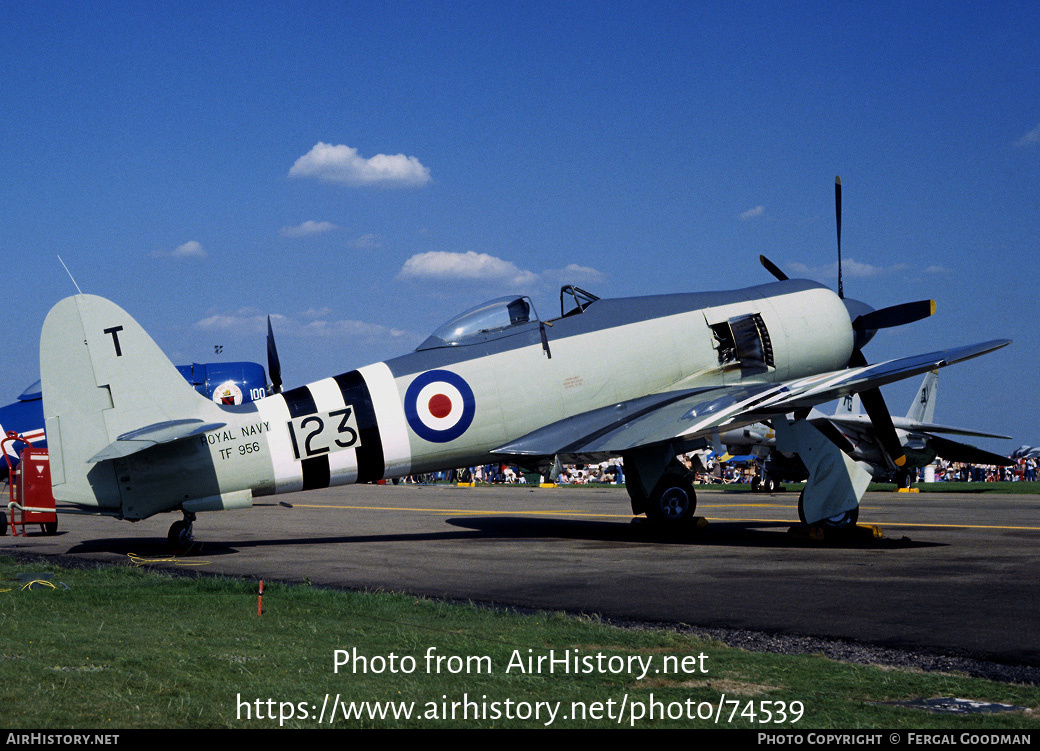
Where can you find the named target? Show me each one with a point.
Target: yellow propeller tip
(931, 308)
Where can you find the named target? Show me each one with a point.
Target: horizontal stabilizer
(151, 435)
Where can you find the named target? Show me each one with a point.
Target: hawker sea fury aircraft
(645, 378)
(495, 383)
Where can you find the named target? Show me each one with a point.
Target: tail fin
(848, 405)
(108, 391)
(922, 408)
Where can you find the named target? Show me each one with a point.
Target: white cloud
(753, 213)
(368, 242)
(937, 270)
(190, 249)
(308, 323)
(467, 266)
(856, 269)
(307, 229)
(242, 321)
(345, 328)
(342, 164)
(1029, 138)
(572, 273)
(849, 268)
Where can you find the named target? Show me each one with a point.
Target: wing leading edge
(698, 413)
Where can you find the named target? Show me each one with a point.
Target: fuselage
(456, 399)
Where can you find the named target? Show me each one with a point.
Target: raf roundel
(439, 406)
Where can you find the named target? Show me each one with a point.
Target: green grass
(126, 647)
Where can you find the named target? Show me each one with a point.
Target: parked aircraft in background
(854, 433)
(645, 378)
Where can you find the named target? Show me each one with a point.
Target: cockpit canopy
(503, 316)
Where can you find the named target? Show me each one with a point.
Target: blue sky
(363, 171)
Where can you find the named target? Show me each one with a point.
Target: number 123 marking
(323, 433)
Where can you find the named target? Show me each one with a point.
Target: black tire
(180, 535)
(3, 526)
(673, 502)
(756, 484)
(844, 520)
(50, 528)
(904, 480)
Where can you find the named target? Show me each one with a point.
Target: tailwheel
(673, 503)
(843, 521)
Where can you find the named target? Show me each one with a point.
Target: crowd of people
(709, 471)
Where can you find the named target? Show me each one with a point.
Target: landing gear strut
(180, 535)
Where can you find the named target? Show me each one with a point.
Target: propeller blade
(895, 315)
(876, 409)
(274, 368)
(837, 217)
(773, 269)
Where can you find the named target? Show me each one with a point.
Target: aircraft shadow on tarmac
(733, 534)
(727, 534)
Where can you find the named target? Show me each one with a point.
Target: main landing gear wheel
(672, 503)
(842, 521)
(180, 535)
(904, 480)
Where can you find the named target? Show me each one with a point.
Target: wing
(925, 427)
(697, 413)
(954, 451)
(861, 426)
